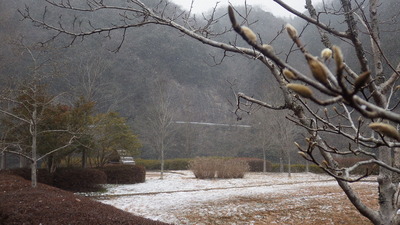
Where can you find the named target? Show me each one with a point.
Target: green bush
(149, 164)
(124, 174)
(79, 179)
(177, 164)
(169, 164)
(297, 168)
(257, 165)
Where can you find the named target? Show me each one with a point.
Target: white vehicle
(127, 160)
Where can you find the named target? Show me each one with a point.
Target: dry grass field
(303, 199)
(322, 205)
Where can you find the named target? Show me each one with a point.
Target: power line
(213, 124)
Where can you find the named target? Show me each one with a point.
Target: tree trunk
(84, 156)
(34, 147)
(3, 161)
(289, 166)
(387, 189)
(264, 160)
(162, 163)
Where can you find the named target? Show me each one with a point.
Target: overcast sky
(268, 5)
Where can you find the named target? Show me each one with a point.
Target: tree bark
(33, 128)
(3, 163)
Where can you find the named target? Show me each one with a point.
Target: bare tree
(364, 107)
(160, 118)
(274, 133)
(33, 102)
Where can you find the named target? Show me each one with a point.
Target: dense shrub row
(79, 179)
(257, 165)
(296, 168)
(169, 164)
(125, 174)
(43, 175)
(85, 180)
(208, 168)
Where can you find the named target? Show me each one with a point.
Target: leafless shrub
(203, 168)
(232, 168)
(208, 168)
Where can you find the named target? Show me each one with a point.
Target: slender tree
(161, 118)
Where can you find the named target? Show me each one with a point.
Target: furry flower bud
(361, 80)
(318, 69)
(326, 54)
(289, 74)
(385, 129)
(291, 31)
(300, 89)
(250, 35)
(338, 56)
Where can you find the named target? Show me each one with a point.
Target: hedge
(297, 168)
(257, 165)
(124, 174)
(169, 164)
(43, 176)
(79, 179)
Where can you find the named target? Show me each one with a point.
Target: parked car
(128, 160)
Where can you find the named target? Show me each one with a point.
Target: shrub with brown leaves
(22, 204)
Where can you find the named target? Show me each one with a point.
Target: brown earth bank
(23, 205)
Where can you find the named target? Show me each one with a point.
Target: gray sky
(268, 5)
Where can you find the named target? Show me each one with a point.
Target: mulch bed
(21, 204)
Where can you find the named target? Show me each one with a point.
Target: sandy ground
(258, 198)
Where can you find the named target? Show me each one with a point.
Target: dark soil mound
(46, 205)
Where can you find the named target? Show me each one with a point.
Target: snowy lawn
(258, 198)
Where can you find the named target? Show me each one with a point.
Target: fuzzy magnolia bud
(318, 69)
(361, 80)
(291, 31)
(250, 35)
(232, 16)
(268, 48)
(338, 56)
(302, 154)
(289, 74)
(326, 54)
(385, 129)
(300, 89)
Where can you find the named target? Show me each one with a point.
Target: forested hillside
(136, 72)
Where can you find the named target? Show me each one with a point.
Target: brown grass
(307, 206)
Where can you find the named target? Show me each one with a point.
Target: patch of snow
(179, 192)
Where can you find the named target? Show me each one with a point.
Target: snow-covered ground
(180, 192)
